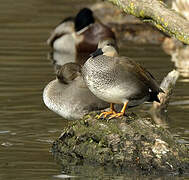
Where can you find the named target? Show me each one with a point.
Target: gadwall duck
(118, 80)
(75, 38)
(68, 95)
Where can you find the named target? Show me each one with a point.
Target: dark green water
(27, 127)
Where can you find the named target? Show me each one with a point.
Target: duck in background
(182, 7)
(68, 95)
(75, 38)
(179, 52)
(118, 80)
(170, 45)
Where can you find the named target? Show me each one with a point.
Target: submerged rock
(128, 143)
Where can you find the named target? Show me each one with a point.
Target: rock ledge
(128, 143)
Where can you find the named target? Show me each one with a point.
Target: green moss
(142, 14)
(132, 8)
(122, 142)
(160, 27)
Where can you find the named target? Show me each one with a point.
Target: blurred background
(27, 127)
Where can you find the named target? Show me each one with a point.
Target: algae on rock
(129, 143)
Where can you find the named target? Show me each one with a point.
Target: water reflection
(178, 51)
(179, 55)
(98, 173)
(181, 59)
(159, 110)
(27, 126)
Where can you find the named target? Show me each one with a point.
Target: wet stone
(128, 143)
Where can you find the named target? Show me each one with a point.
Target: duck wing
(138, 73)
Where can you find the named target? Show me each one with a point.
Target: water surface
(27, 127)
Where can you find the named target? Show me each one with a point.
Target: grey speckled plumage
(119, 79)
(68, 95)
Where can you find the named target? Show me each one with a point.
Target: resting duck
(118, 80)
(68, 95)
(75, 38)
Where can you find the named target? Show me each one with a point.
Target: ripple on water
(27, 126)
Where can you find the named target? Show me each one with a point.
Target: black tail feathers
(154, 96)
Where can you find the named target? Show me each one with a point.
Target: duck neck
(111, 54)
(83, 30)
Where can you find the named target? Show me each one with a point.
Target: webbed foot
(105, 114)
(116, 115)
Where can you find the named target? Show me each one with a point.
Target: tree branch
(156, 12)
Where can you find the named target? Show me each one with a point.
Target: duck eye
(110, 44)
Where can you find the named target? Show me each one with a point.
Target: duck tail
(154, 96)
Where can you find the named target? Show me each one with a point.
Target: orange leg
(112, 111)
(120, 113)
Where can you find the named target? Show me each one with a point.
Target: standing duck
(75, 38)
(68, 95)
(118, 80)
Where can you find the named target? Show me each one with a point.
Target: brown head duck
(68, 95)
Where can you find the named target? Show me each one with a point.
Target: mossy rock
(128, 143)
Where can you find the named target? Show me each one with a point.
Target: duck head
(83, 19)
(107, 47)
(68, 73)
